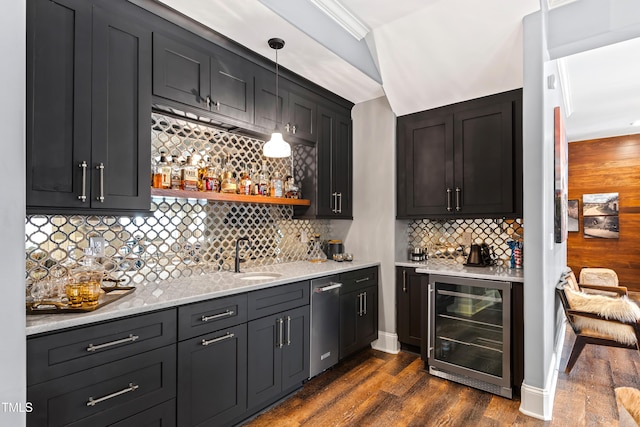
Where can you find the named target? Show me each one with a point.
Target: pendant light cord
(276, 89)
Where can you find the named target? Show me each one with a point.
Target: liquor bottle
(165, 171)
(176, 173)
(263, 180)
(203, 165)
(255, 184)
(212, 176)
(277, 187)
(156, 175)
(228, 182)
(189, 175)
(245, 181)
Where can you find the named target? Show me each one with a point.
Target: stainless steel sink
(259, 276)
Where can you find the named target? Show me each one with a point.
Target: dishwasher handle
(332, 286)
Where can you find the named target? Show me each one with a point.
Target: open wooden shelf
(226, 197)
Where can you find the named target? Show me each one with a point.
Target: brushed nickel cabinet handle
(364, 300)
(333, 285)
(449, 200)
(217, 316)
(335, 203)
(226, 336)
(288, 330)
(287, 127)
(130, 338)
(293, 129)
(340, 198)
(83, 196)
(94, 402)
(404, 281)
(208, 101)
(280, 337)
(364, 279)
(100, 167)
(458, 203)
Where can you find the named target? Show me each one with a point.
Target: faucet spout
(238, 261)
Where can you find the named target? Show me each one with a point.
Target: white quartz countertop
(451, 268)
(175, 292)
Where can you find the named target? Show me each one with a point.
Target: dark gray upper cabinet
(213, 79)
(294, 113)
(334, 156)
(88, 103)
(463, 160)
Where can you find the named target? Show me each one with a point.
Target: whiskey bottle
(263, 180)
(165, 171)
(176, 177)
(245, 181)
(277, 187)
(189, 175)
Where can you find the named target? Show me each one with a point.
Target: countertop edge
(445, 268)
(48, 323)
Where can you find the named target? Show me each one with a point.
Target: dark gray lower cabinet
(409, 310)
(278, 355)
(163, 415)
(358, 310)
(212, 377)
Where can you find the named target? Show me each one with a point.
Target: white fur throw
(622, 309)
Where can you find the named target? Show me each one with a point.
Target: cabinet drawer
(161, 415)
(280, 298)
(63, 353)
(358, 279)
(105, 394)
(204, 317)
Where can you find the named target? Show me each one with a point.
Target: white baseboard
(537, 402)
(387, 342)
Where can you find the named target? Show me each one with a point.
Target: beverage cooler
(468, 332)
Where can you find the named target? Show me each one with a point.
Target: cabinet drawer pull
(83, 196)
(364, 301)
(340, 206)
(100, 167)
(458, 203)
(222, 338)
(332, 286)
(130, 338)
(335, 203)
(94, 402)
(293, 129)
(218, 316)
(360, 310)
(288, 330)
(364, 279)
(448, 200)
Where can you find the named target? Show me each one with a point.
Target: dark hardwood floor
(378, 389)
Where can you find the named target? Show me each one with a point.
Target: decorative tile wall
(450, 239)
(182, 237)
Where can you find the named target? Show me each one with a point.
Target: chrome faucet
(237, 264)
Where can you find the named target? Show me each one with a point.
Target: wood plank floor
(378, 389)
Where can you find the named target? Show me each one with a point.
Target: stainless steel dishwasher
(325, 324)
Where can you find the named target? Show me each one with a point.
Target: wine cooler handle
(429, 320)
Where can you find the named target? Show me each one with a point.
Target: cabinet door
(232, 86)
(368, 319)
(121, 123)
(268, 112)
(484, 159)
(408, 305)
(334, 148)
(180, 73)
(301, 115)
(58, 102)
(265, 359)
(349, 309)
(212, 377)
(425, 164)
(295, 355)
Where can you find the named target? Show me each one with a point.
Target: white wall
(12, 212)
(548, 35)
(371, 235)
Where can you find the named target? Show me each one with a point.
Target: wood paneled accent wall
(608, 165)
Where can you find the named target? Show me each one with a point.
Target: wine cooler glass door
(470, 328)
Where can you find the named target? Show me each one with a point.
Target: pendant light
(276, 146)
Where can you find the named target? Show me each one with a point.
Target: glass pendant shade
(276, 147)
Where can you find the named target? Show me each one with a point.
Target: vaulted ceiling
(421, 54)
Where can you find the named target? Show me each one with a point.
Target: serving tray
(110, 295)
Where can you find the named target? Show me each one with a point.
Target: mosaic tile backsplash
(182, 237)
(451, 239)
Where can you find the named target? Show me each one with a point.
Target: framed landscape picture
(573, 213)
(600, 215)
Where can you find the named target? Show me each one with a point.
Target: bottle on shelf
(176, 173)
(228, 183)
(165, 171)
(263, 180)
(203, 165)
(212, 176)
(255, 184)
(277, 186)
(245, 181)
(156, 175)
(189, 174)
(291, 189)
